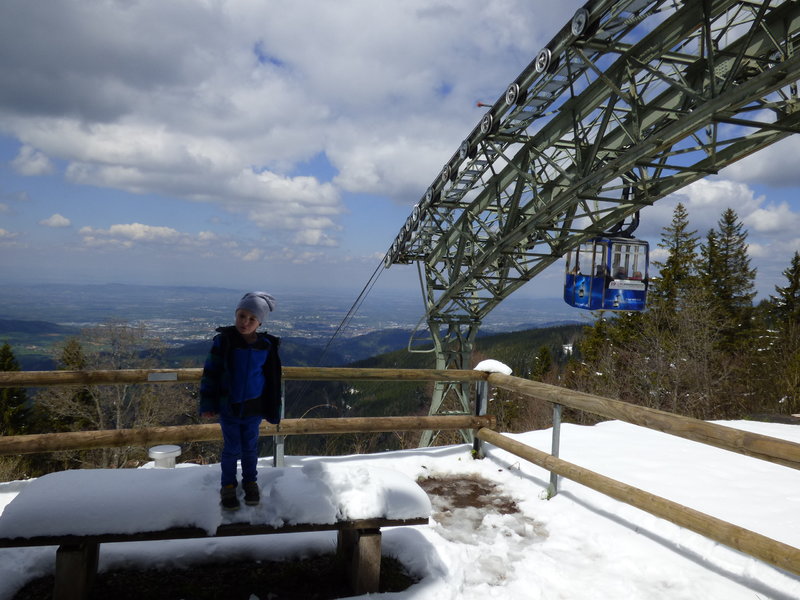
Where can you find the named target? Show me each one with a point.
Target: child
(242, 384)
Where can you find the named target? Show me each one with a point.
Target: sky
(579, 545)
(277, 145)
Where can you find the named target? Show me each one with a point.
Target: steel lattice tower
(629, 102)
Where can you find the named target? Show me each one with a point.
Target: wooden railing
(56, 378)
(751, 444)
(147, 436)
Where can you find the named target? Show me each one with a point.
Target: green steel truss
(629, 102)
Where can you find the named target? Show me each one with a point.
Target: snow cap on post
(493, 366)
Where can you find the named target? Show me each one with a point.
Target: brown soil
(318, 578)
(458, 491)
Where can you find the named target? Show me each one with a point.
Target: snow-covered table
(79, 510)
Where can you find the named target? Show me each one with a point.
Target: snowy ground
(578, 545)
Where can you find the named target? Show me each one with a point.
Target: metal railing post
(481, 407)
(278, 440)
(552, 489)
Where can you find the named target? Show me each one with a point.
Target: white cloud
(313, 237)
(207, 236)
(8, 238)
(224, 103)
(401, 166)
(719, 194)
(253, 255)
(128, 235)
(773, 219)
(30, 161)
(758, 250)
(292, 256)
(705, 201)
(56, 220)
(774, 165)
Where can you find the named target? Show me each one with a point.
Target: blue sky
(276, 145)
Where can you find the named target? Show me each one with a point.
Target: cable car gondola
(607, 273)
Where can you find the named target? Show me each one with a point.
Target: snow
(91, 501)
(493, 366)
(577, 545)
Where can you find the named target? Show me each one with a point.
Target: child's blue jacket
(239, 377)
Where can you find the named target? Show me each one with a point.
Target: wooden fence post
(76, 567)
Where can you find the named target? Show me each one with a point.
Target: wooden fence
(751, 444)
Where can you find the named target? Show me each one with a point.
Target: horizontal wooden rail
(114, 438)
(224, 530)
(764, 447)
(51, 378)
(759, 546)
(751, 444)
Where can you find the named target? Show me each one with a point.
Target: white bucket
(164, 456)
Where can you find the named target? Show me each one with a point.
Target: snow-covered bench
(79, 510)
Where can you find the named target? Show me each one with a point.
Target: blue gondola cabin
(607, 273)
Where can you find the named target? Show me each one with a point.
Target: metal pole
(481, 406)
(552, 489)
(278, 457)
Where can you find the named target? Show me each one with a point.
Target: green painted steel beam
(629, 102)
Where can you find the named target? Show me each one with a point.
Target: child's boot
(252, 495)
(228, 498)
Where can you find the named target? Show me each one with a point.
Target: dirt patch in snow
(449, 492)
(472, 509)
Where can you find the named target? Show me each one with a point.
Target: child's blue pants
(240, 442)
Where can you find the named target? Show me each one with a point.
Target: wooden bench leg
(76, 567)
(361, 551)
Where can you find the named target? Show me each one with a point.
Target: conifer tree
(778, 379)
(542, 364)
(787, 302)
(710, 267)
(727, 277)
(678, 273)
(726, 268)
(73, 358)
(13, 401)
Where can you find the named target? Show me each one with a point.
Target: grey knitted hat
(258, 303)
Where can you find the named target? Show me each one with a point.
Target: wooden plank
(161, 376)
(763, 447)
(228, 530)
(351, 374)
(149, 436)
(761, 547)
(76, 567)
(345, 546)
(365, 568)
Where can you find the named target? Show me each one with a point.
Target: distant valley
(35, 318)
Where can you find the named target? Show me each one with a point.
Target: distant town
(184, 314)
